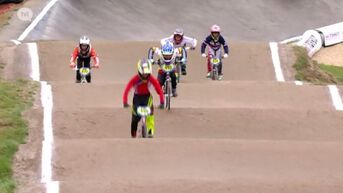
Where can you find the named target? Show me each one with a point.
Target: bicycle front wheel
(168, 94)
(178, 76)
(144, 131)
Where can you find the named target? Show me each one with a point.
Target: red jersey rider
(142, 97)
(83, 53)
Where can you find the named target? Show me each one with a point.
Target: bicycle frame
(179, 62)
(178, 70)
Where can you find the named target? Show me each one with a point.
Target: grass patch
(309, 70)
(336, 71)
(15, 97)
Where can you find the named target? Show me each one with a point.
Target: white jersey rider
(165, 55)
(179, 40)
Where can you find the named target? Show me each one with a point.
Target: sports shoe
(208, 75)
(150, 135)
(184, 72)
(133, 134)
(220, 77)
(174, 93)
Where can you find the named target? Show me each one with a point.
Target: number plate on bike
(215, 61)
(84, 71)
(168, 68)
(143, 111)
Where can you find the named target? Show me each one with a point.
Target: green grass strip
(15, 98)
(309, 70)
(336, 71)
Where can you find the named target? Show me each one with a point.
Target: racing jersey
(215, 45)
(155, 51)
(90, 54)
(141, 87)
(186, 41)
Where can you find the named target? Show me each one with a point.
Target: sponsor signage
(332, 34)
(312, 41)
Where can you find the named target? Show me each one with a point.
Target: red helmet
(215, 28)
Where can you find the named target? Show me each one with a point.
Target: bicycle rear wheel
(216, 76)
(144, 131)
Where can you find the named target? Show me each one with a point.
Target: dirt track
(247, 133)
(242, 134)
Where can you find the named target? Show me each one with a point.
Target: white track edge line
(36, 20)
(47, 104)
(276, 61)
(46, 97)
(298, 83)
(16, 42)
(336, 98)
(294, 39)
(35, 72)
(53, 187)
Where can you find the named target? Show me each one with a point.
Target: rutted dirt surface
(245, 133)
(199, 165)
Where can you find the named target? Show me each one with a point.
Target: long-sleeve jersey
(186, 41)
(141, 87)
(155, 53)
(91, 54)
(215, 45)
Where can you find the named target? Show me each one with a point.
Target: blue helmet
(167, 51)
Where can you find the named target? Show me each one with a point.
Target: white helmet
(144, 68)
(168, 52)
(84, 44)
(215, 28)
(178, 35)
(178, 31)
(85, 40)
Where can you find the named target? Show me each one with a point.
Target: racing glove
(72, 65)
(96, 65)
